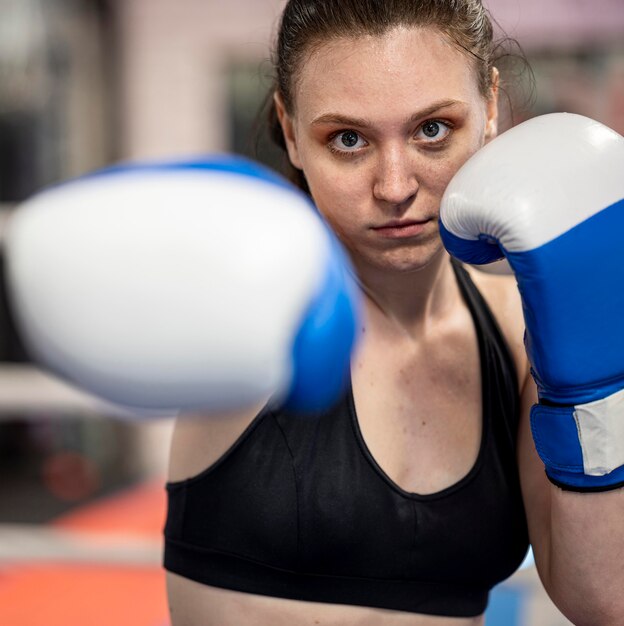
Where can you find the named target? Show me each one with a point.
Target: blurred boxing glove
(203, 285)
(549, 196)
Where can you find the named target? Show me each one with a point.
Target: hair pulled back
(306, 24)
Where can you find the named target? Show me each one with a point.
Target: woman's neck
(407, 302)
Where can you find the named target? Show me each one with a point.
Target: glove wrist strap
(582, 446)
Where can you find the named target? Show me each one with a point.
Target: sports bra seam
(183, 544)
(414, 559)
(296, 479)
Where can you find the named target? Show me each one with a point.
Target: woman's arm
(577, 538)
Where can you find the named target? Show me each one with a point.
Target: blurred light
(23, 45)
(70, 476)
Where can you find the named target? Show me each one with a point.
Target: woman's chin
(402, 260)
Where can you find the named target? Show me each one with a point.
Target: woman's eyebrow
(360, 122)
(434, 108)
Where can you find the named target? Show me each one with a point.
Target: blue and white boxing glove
(203, 285)
(549, 196)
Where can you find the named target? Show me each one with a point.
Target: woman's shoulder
(199, 441)
(500, 291)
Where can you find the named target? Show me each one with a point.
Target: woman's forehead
(404, 67)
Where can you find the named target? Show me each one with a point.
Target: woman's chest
(419, 410)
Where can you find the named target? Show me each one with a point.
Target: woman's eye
(433, 131)
(347, 141)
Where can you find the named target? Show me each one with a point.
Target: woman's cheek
(337, 192)
(452, 165)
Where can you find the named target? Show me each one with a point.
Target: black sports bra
(298, 508)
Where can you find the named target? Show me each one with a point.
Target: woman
(417, 493)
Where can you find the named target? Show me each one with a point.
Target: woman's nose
(395, 179)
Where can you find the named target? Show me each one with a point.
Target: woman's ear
(288, 129)
(491, 125)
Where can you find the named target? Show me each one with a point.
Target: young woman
(418, 492)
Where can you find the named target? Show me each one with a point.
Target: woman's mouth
(400, 229)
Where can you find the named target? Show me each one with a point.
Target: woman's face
(380, 125)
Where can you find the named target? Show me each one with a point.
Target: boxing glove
(549, 196)
(199, 285)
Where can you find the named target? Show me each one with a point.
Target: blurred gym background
(85, 83)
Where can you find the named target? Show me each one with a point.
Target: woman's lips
(401, 230)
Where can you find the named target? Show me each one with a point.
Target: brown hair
(309, 23)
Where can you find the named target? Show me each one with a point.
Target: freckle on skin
(424, 423)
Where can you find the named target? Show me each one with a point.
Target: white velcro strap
(601, 432)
